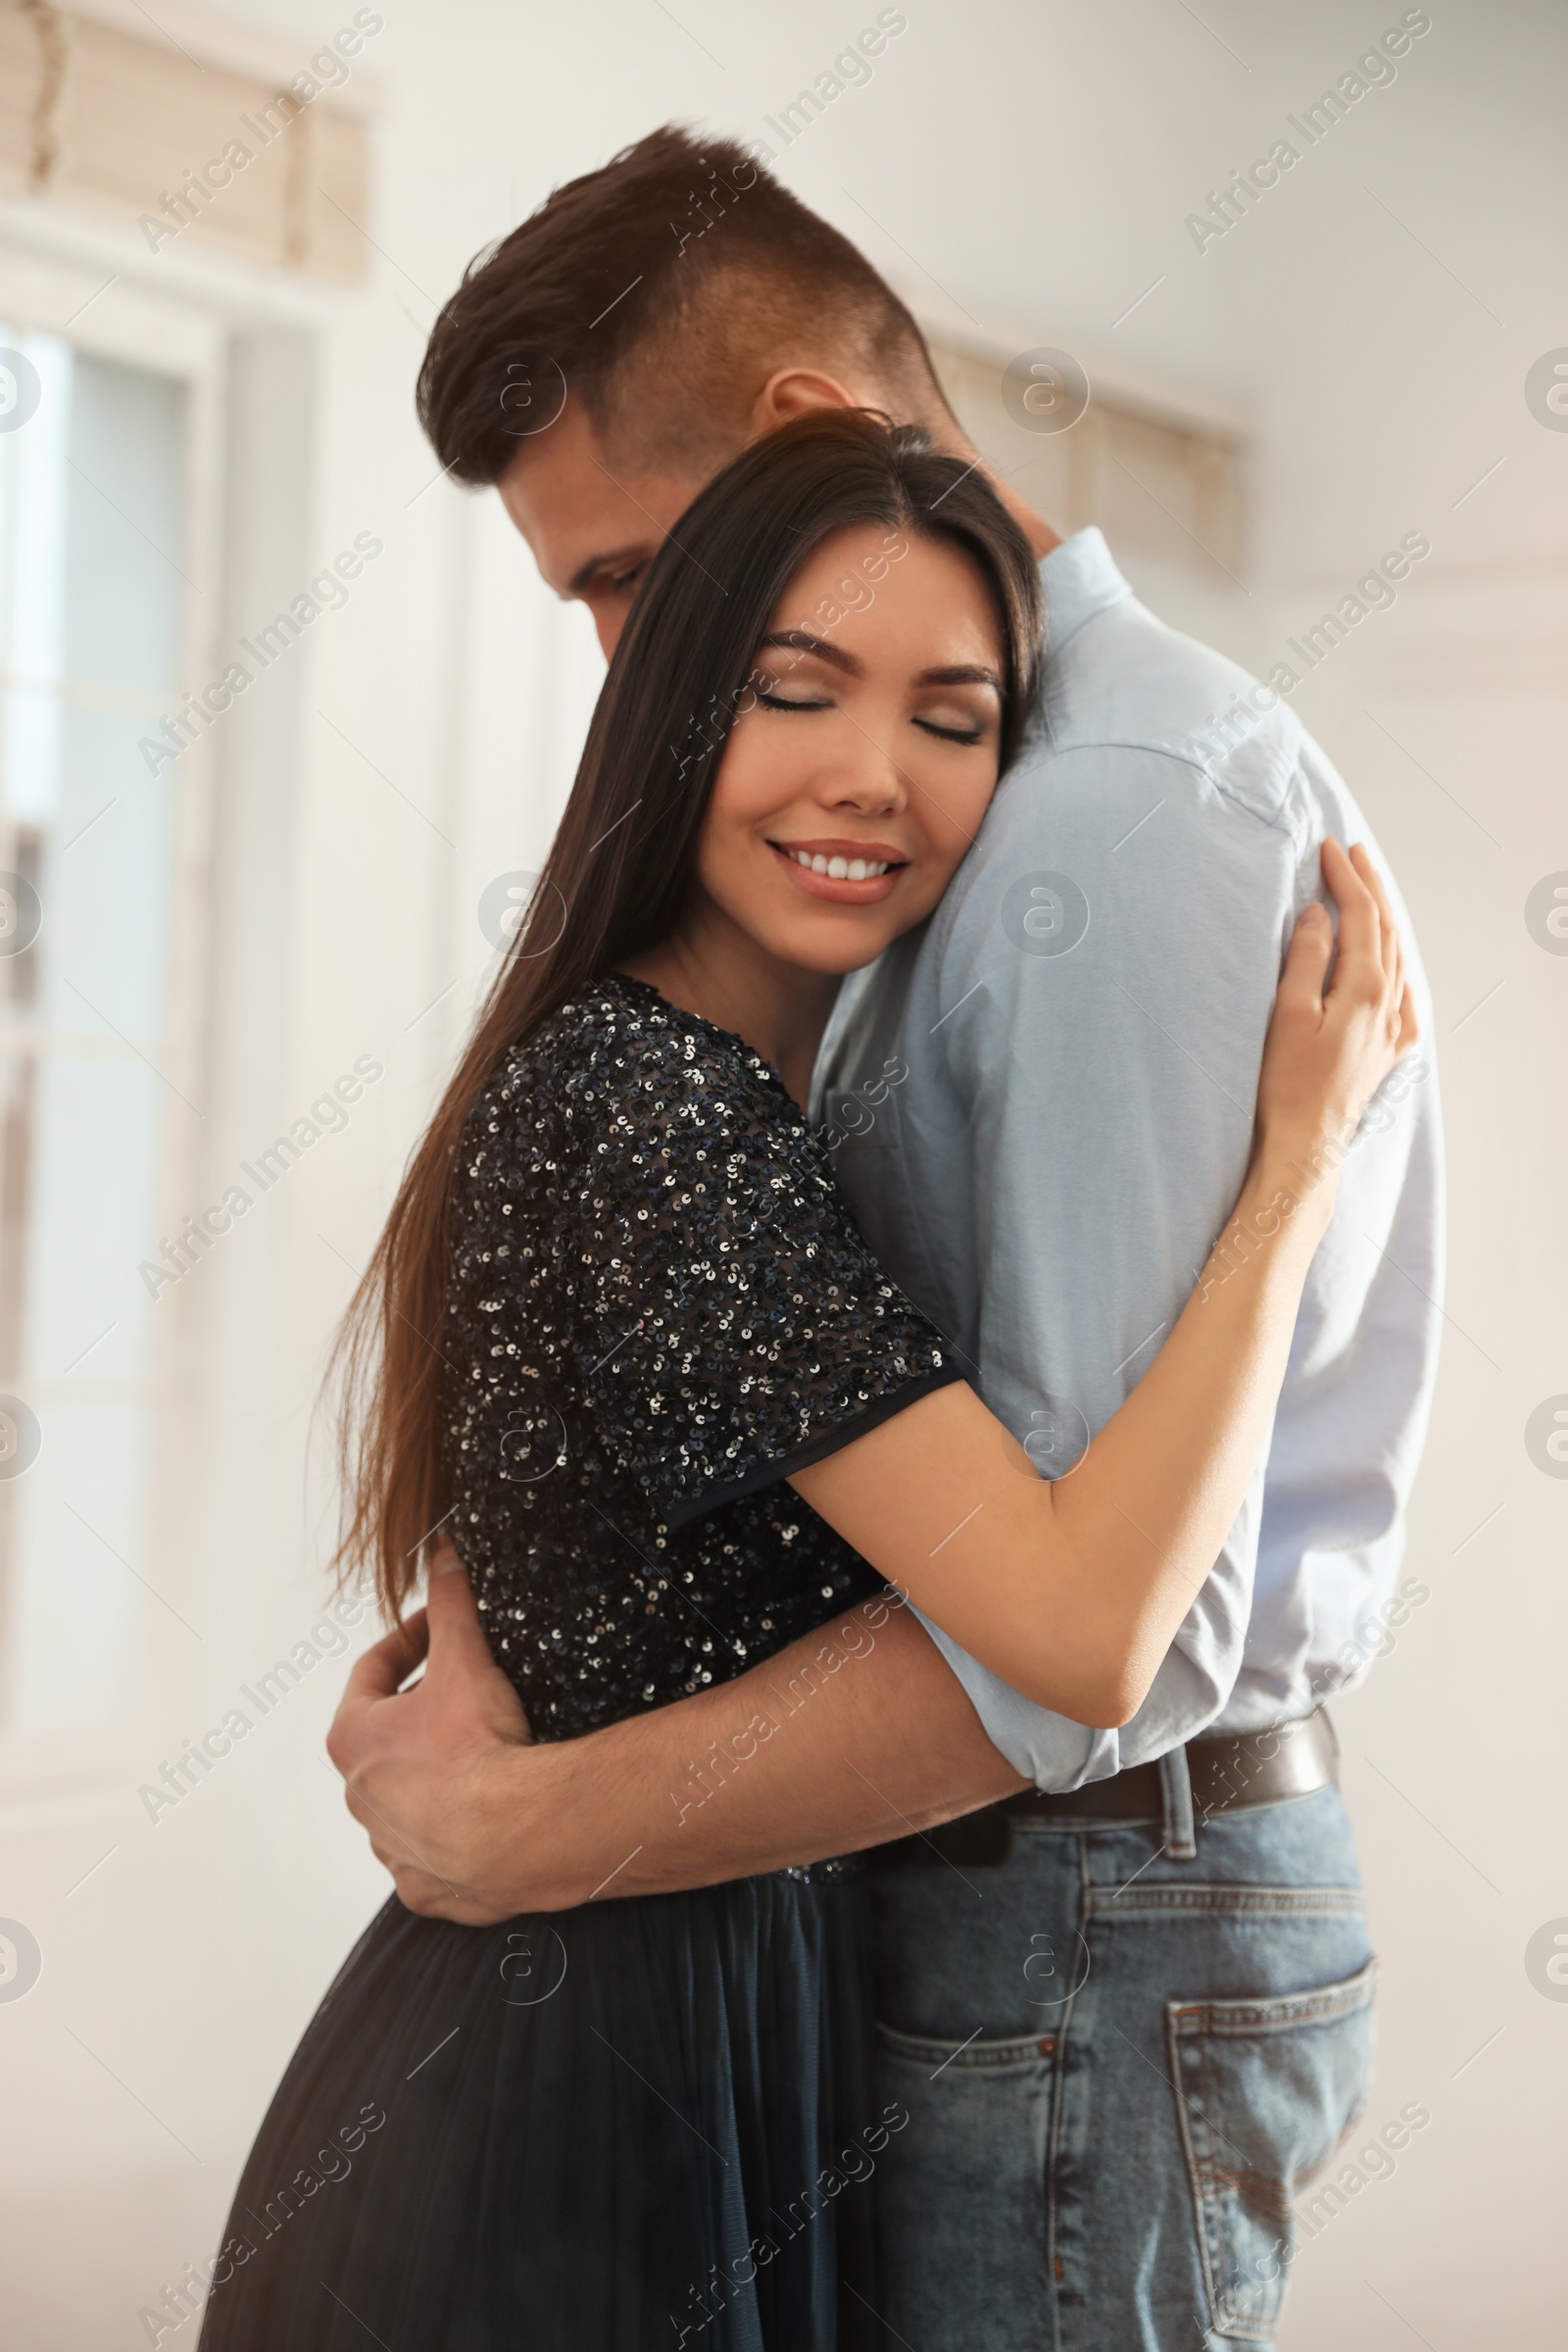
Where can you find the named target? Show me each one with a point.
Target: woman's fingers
(1358, 975)
(1390, 929)
(1402, 1005)
(1306, 960)
(1368, 928)
(1341, 1021)
(1403, 1026)
(1359, 944)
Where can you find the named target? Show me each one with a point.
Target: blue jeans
(1120, 2066)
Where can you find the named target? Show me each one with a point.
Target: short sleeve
(730, 1325)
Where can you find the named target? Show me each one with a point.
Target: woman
(622, 1343)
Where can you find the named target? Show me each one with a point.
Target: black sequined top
(659, 1306)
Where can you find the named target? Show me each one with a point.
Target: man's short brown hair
(656, 288)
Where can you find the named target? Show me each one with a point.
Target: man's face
(593, 522)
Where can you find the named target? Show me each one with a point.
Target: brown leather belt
(1228, 1776)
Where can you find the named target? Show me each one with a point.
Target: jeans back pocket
(1266, 2091)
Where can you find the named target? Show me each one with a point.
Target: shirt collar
(1078, 579)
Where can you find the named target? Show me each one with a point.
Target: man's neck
(1034, 527)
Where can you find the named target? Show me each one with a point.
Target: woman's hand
(1329, 1050)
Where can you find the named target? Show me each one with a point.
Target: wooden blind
(197, 152)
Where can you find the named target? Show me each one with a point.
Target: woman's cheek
(953, 814)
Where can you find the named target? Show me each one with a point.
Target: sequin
(659, 1304)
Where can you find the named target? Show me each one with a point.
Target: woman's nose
(865, 776)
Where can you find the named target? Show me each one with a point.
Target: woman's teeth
(839, 870)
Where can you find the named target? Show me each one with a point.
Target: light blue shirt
(1046, 1098)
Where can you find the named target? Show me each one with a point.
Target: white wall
(1023, 174)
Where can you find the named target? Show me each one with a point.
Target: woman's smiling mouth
(853, 873)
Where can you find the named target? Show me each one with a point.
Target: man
(1128, 2007)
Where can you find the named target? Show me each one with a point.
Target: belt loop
(1176, 1784)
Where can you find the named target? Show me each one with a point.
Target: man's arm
(854, 1735)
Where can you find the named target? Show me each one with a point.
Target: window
(93, 464)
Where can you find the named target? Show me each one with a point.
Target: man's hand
(856, 1733)
(424, 1768)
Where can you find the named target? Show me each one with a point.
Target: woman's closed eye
(773, 700)
(967, 731)
(952, 734)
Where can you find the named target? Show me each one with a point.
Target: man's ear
(791, 392)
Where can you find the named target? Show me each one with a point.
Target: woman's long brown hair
(617, 873)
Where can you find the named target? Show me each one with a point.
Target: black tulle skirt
(644, 2123)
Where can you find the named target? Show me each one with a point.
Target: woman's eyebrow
(800, 641)
(960, 674)
(953, 674)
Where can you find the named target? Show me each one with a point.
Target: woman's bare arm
(1073, 1590)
